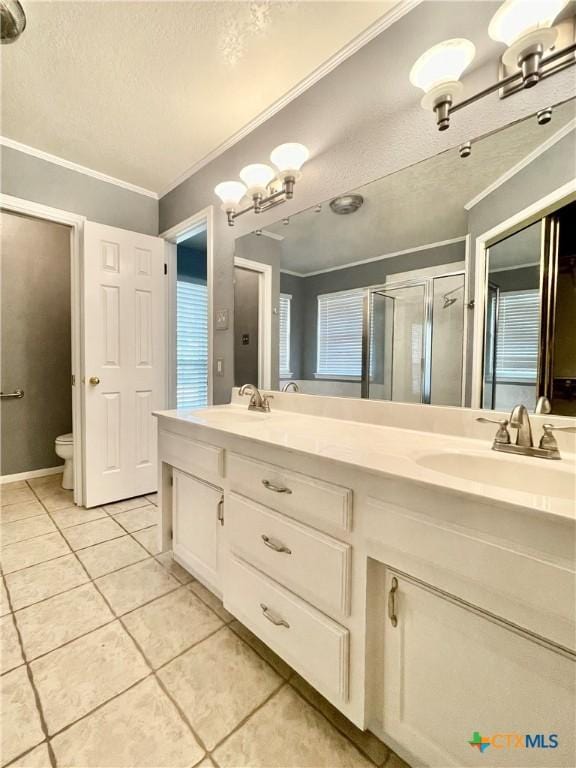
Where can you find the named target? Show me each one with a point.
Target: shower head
(12, 21)
(449, 299)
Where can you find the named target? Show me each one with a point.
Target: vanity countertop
(450, 462)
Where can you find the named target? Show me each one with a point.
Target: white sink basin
(525, 474)
(228, 415)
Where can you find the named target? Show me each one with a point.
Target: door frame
(264, 317)
(76, 223)
(545, 205)
(202, 220)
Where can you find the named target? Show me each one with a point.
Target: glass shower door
(398, 344)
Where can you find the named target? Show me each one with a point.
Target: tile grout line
(37, 701)
(286, 682)
(69, 589)
(146, 661)
(247, 717)
(153, 672)
(336, 728)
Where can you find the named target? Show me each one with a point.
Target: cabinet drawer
(199, 459)
(314, 645)
(299, 496)
(314, 565)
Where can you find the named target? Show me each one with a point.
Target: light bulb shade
(257, 177)
(289, 158)
(230, 192)
(442, 64)
(515, 19)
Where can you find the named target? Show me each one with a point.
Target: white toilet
(64, 446)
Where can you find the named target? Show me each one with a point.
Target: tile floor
(113, 656)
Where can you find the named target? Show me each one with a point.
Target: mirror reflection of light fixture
(264, 185)
(525, 26)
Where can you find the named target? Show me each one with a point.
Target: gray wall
(36, 341)
(552, 169)
(31, 178)
(361, 121)
(307, 290)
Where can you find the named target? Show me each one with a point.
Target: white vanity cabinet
(422, 615)
(448, 671)
(197, 517)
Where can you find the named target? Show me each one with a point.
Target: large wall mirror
(450, 282)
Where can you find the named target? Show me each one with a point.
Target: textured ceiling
(143, 90)
(421, 204)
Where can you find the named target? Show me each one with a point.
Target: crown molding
(544, 147)
(47, 157)
(384, 256)
(394, 15)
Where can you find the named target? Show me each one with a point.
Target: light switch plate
(221, 319)
(219, 366)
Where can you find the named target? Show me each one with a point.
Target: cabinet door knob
(392, 602)
(273, 617)
(94, 380)
(276, 488)
(277, 546)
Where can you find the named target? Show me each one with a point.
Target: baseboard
(30, 475)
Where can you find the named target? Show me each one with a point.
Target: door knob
(94, 380)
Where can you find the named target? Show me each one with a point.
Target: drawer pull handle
(274, 618)
(276, 488)
(392, 602)
(277, 546)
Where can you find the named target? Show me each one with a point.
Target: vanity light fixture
(525, 26)
(264, 185)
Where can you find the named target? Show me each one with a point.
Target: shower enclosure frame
(76, 223)
(426, 361)
(523, 218)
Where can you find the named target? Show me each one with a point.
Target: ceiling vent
(346, 204)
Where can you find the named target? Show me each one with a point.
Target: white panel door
(123, 361)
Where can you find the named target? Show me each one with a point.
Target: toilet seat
(65, 439)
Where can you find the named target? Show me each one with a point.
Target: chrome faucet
(258, 402)
(291, 386)
(520, 420)
(524, 445)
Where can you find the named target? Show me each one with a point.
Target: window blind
(518, 335)
(339, 351)
(285, 307)
(191, 344)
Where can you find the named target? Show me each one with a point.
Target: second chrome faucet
(524, 445)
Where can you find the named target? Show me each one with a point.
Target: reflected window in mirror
(339, 335)
(285, 318)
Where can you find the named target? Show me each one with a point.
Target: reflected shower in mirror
(374, 293)
(530, 339)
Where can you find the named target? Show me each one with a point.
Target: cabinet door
(197, 510)
(450, 673)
